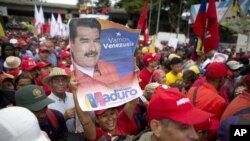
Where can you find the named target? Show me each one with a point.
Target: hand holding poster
(102, 55)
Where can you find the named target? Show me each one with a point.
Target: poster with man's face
(219, 57)
(103, 59)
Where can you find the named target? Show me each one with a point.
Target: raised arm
(84, 117)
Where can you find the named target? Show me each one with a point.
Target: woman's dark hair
(4, 45)
(24, 75)
(32, 43)
(175, 61)
(189, 75)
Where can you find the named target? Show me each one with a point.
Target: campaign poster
(219, 57)
(103, 59)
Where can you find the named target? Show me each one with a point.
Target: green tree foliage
(169, 13)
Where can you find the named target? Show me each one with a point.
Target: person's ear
(156, 128)
(97, 120)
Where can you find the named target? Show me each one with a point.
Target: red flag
(200, 21)
(143, 16)
(199, 28)
(45, 29)
(212, 31)
(146, 34)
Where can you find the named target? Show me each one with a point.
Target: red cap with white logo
(170, 103)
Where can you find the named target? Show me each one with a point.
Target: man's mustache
(91, 53)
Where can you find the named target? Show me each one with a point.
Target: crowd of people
(184, 99)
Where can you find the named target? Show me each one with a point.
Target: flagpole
(158, 18)
(204, 36)
(150, 14)
(179, 18)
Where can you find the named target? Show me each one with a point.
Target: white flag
(53, 26)
(60, 25)
(36, 16)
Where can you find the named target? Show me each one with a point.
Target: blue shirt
(52, 59)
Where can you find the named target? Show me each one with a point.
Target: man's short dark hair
(86, 22)
(189, 75)
(175, 60)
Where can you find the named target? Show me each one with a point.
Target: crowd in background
(183, 98)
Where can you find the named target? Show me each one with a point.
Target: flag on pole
(207, 28)
(53, 26)
(143, 16)
(60, 24)
(212, 31)
(152, 45)
(146, 34)
(36, 16)
(2, 33)
(143, 22)
(41, 14)
(199, 28)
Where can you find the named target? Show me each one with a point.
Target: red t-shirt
(239, 103)
(46, 88)
(125, 126)
(145, 77)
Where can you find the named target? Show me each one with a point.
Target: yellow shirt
(171, 78)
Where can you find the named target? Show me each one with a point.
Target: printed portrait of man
(218, 57)
(86, 49)
(97, 75)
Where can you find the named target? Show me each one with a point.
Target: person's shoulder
(52, 96)
(69, 94)
(55, 112)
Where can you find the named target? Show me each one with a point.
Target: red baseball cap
(28, 63)
(6, 76)
(209, 124)
(62, 64)
(43, 48)
(217, 70)
(21, 43)
(170, 103)
(148, 57)
(65, 54)
(43, 64)
(99, 112)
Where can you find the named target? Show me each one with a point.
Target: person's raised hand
(69, 113)
(73, 82)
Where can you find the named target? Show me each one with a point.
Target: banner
(235, 20)
(103, 58)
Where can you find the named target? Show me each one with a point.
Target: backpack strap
(137, 137)
(52, 118)
(194, 96)
(243, 111)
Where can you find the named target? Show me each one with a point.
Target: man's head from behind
(216, 73)
(172, 115)
(33, 98)
(85, 41)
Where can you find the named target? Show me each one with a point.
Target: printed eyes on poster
(103, 60)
